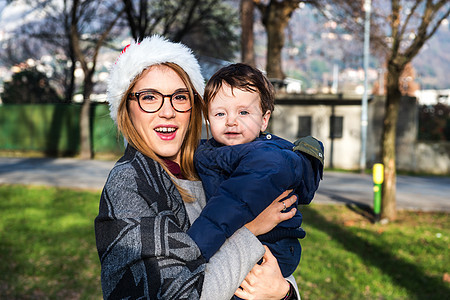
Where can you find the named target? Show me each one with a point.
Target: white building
(433, 97)
(336, 121)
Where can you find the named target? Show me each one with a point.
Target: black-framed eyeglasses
(151, 101)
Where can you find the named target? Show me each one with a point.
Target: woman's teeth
(165, 129)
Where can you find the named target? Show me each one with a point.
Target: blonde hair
(191, 140)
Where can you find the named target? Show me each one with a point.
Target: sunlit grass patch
(346, 256)
(47, 240)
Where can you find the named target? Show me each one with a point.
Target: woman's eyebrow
(181, 90)
(156, 90)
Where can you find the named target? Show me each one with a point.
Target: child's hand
(273, 215)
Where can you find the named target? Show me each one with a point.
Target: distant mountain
(432, 64)
(314, 47)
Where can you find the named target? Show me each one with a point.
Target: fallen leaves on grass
(349, 223)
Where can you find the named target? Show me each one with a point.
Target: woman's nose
(166, 110)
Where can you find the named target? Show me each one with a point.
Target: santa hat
(138, 56)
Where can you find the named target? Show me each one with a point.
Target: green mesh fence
(54, 129)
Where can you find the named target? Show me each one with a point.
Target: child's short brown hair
(243, 77)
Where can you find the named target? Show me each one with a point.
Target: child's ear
(265, 122)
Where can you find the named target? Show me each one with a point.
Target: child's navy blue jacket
(240, 181)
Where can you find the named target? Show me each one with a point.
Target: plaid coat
(141, 237)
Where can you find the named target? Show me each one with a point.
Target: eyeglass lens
(152, 101)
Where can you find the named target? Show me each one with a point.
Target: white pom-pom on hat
(138, 56)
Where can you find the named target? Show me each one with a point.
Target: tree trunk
(275, 17)
(86, 151)
(275, 42)
(388, 203)
(85, 120)
(247, 37)
(70, 86)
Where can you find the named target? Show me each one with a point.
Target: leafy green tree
(434, 122)
(40, 37)
(29, 86)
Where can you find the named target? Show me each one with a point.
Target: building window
(336, 127)
(304, 126)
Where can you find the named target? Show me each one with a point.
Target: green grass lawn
(47, 244)
(47, 250)
(345, 256)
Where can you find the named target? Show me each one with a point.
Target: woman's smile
(167, 132)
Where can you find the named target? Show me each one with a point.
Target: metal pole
(378, 178)
(364, 118)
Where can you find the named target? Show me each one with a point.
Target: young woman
(153, 194)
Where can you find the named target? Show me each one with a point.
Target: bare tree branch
(408, 18)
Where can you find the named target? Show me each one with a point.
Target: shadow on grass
(360, 208)
(363, 210)
(402, 273)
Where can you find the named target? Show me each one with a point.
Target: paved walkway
(417, 193)
(64, 172)
(413, 192)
